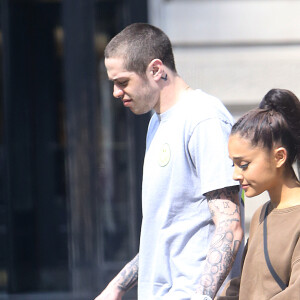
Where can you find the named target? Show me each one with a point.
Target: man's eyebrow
(119, 79)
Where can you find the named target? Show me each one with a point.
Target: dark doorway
(71, 157)
(33, 168)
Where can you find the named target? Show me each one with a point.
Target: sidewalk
(58, 296)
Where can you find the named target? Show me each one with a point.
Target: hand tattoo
(129, 275)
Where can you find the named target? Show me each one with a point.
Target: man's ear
(155, 69)
(280, 155)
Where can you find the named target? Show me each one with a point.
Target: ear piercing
(164, 78)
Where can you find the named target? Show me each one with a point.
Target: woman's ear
(280, 155)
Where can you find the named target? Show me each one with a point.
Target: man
(191, 228)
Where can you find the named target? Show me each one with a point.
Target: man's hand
(111, 292)
(123, 282)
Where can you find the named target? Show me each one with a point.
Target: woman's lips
(245, 186)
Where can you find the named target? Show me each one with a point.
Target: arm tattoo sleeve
(129, 275)
(228, 193)
(224, 208)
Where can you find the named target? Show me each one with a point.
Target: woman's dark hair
(138, 44)
(275, 122)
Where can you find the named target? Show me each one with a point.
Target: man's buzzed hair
(138, 44)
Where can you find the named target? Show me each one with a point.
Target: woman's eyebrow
(237, 157)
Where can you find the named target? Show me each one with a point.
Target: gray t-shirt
(186, 156)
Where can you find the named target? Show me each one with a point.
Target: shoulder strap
(271, 269)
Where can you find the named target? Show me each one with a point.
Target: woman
(263, 145)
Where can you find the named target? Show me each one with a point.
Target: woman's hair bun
(276, 121)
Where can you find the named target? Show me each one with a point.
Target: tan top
(256, 282)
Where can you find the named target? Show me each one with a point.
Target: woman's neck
(286, 194)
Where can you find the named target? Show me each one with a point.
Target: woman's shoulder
(259, 215)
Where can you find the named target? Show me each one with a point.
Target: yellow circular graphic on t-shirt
(164, 155)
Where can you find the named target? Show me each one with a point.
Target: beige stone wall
(227, 21)
(236, 50)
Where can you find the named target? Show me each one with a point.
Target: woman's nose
(237, 175)
(117, 93)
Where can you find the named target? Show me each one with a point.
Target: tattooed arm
(123, 282)
(225, 210)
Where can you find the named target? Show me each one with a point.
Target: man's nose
(117, 93)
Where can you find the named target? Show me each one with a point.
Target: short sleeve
(208, 148)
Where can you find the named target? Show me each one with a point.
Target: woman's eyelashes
(242, 166)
